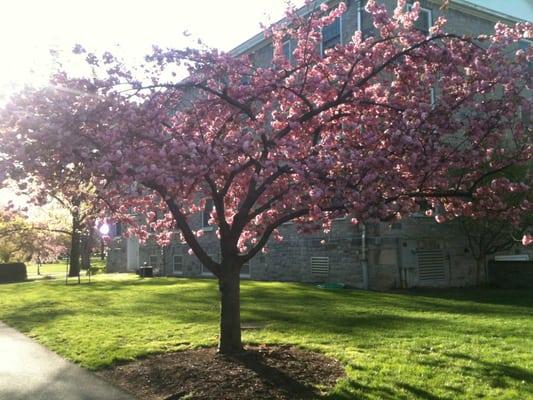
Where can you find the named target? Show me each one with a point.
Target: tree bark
(230, 312)
(480, 267)
(74, 269)
(86, 247)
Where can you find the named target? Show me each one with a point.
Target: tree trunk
(86, 244)
(480, 267)
(230, 312)
(74, 269)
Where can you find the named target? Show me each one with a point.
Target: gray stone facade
(414, 252)
(394, 256)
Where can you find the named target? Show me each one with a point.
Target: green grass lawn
(58, 268)
(414, 345)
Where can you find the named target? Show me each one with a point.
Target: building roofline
(477, 10)
(260, 37)
(462, 5)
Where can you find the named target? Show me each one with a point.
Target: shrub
(13, 272)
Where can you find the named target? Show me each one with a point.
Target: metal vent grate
(431, 266)
(320, 266)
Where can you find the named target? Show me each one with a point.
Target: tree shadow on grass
(493, 372)
(481, 300)
(350, 387)
(420, 393)
(27, 316)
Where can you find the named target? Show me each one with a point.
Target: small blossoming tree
(24, 239)
(30, 168)
(306, 139)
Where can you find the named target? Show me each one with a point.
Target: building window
(331, 35)
(118, 229)
(153, 260)
(525, 45)
(287, 50)
(432, 97)
(203, 269)
(245, 270)
(206, 214)
(525, 112)
(177, 264)
(425, 19)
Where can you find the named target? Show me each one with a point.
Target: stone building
(414, 252)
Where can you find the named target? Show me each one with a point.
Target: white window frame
(423, 10)
(289, 57)
(180, 271)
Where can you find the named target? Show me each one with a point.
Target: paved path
(28, 371)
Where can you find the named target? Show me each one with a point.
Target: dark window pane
(424, 21)
(287, 50)
(331, 35)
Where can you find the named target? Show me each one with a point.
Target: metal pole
(66, 272)
(364, 262)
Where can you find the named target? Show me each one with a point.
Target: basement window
(245, 270)
(177, 264)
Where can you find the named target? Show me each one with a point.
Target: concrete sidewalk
(30, 371)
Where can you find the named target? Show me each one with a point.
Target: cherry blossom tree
(36, 173)
(306, 139)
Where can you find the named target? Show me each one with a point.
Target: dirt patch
(273, 372)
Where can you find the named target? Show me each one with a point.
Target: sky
(517, 8)
(29, 28)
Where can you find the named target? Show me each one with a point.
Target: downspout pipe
(364, 261)
(360, 15)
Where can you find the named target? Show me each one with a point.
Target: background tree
(48, 180)
(494, 232)
(24, 239)
(352, 131)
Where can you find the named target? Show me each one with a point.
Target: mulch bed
(262, 372)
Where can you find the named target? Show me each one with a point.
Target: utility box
(146, 272)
